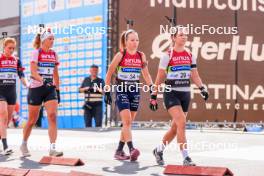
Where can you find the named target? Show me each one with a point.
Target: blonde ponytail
(37, 42)
(122, 41)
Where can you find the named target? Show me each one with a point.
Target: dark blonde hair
(37, 42)
(124, 37)
(174, 35)
(8, 40)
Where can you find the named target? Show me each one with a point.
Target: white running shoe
(8, 151)
(24, 150)
(55, 153)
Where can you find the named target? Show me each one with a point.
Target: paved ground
(242, 153)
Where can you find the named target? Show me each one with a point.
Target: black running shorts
(36, 96)
(8, 94)
(177, 98)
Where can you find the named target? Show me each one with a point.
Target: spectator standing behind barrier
(92, 88)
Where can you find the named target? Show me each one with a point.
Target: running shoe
(134, 154)
(188, 162)
(24, 150)
(159, 157)
(8, 151)
(120, 155)
(55, 153)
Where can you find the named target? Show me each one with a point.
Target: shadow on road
(4, 158)
(29, 164)
(128, 168)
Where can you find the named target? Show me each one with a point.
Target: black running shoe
(188, 162)
(158, 156)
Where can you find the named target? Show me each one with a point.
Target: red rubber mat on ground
(75, 173)
(61, 161)
(45, 173)
(4, 171)
(197, 170)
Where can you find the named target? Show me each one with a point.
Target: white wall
(9, 9)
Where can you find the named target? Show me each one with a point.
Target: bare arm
(160, 79)
(34, 72)
(196, 78)
(24, 81)
(112, 68)
(56, 77)
(145, 71)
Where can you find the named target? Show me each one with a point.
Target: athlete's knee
(52, 117)
(31, 122)
(3, 113)
(174, 129)
(181, 127)
(3, 121)
(180, 119)
(127, 123)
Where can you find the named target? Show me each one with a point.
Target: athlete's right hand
(46, 83)
(108, 98)
(204, 93)
(153, 104)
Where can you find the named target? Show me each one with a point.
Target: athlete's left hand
(108, 98)
(153, 104)
(204, 93)
(47, 83)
